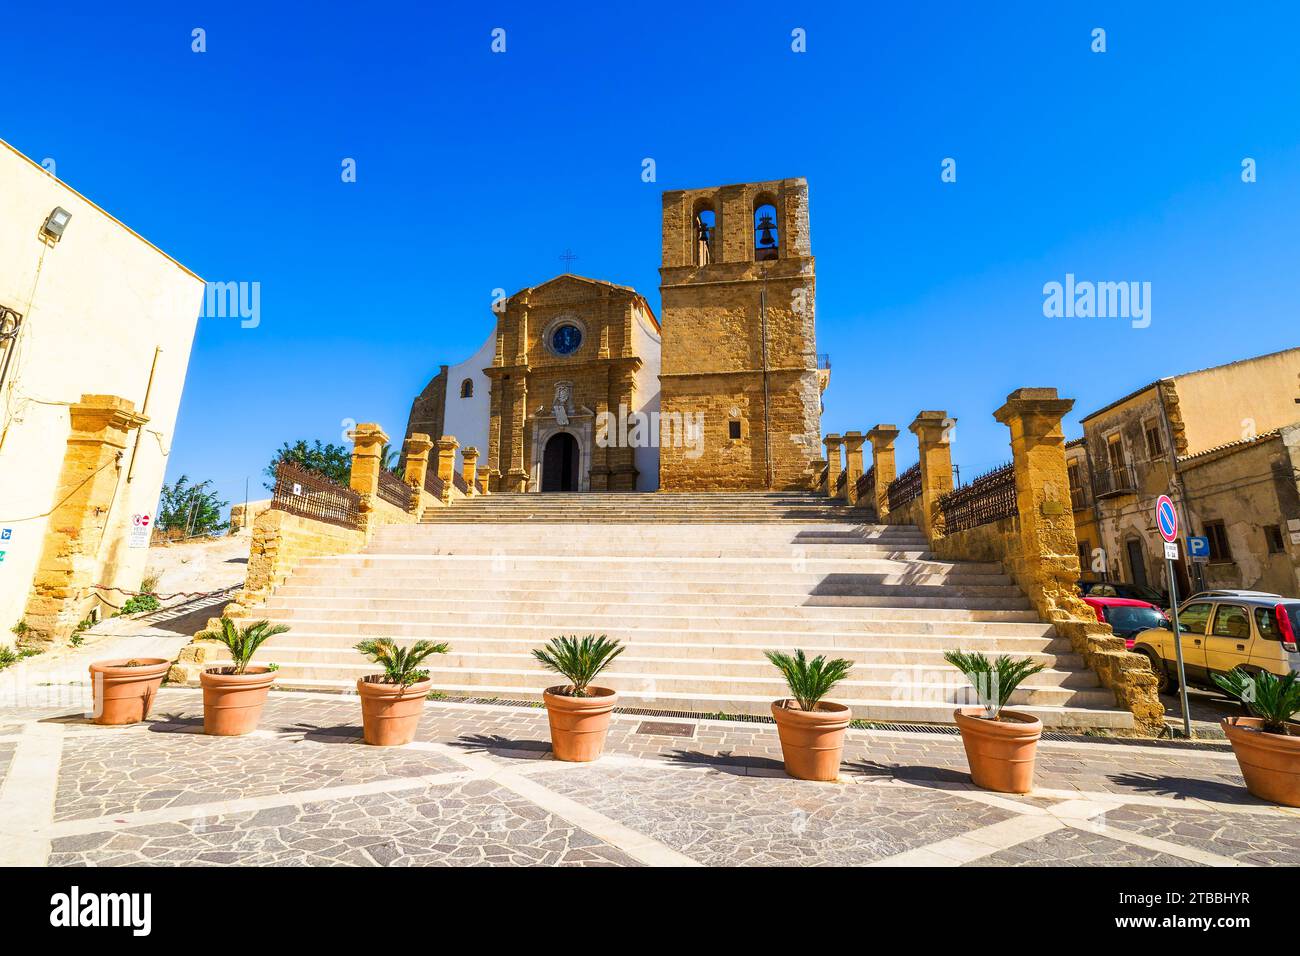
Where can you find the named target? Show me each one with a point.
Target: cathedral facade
(582, 388)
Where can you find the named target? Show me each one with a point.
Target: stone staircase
(697, 586)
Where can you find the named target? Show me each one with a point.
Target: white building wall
(466, 419)
(95, 306)
(647, 343)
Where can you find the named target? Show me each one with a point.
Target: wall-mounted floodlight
(56, 222)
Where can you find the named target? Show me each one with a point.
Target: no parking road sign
(1166, 518)
(1167, 524)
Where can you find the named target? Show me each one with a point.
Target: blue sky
(478, 170)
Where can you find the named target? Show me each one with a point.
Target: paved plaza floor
(479, 787)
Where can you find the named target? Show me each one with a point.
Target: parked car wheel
(1164, 683)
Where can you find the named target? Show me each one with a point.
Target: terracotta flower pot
(1000, 752)
(578, 724)
(232, 703)
(122, 694)
(812, 742)
(1269, 762)
(390, 713)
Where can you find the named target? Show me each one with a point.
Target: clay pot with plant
(123, 690)
(1001, 745)
(1266, 744)
(578, 712)
(234, 693)
(392, 702)
(811, 729)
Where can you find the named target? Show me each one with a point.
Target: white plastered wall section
(647, 344)
(466, 419)
(95, 306)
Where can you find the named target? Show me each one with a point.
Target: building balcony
(1114, 481)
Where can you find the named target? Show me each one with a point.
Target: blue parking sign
(1198, 548)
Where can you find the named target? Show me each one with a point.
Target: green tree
(332, 461)
(192, 509)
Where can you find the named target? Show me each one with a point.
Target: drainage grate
(663, 728)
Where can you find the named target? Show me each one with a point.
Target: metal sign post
(1167, 523)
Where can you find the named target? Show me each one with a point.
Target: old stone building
(96, 325)
(580, 389)
(1221, 442)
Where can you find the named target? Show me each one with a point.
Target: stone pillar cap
(1040, 402)
(831, 439)
(929, 417)
(371, 431)
(448, 442)
(854, 436)
(419, 442)
(469, 451)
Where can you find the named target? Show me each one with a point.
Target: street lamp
(55, 223)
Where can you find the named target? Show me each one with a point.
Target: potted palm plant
(1266, 745)
(578, 713)
(392, 702)
(811, 729)
(124, 690)
(1000, 744)
(233, 694)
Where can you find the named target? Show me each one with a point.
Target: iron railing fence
(866, 486)
(841, 483)
(394, 490)
(458, 482)
(990, 497)
(310, 494)
(433, 484)
(906, 488)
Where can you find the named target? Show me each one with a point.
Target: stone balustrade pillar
(417, 450)
(932, 430)
(1047, 536)
(882, 459)
(447, 446)
(469, 468)
(834, 464)
(852, 465)
(817, 466)
(368, 441)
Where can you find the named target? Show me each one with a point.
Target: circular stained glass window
(566, 339)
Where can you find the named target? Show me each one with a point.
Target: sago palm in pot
(577, 711)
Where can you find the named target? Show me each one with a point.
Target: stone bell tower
(739, 338)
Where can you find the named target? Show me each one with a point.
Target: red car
(1127, 616)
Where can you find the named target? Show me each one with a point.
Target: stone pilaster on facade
(1047, 537)
(469, 468)
(834, 462)
(368, 441)
(62, 588)
(447, 446)
(882, 459)
(417, 449)
(932, 430)
(852, 465)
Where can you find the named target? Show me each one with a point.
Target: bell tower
(739, 338)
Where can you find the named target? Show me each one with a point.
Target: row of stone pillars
(1045, 525)
(933, 430)
(367, 462)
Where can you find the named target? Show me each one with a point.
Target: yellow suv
(1221, 632)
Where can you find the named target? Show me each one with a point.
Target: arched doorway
(560, 463)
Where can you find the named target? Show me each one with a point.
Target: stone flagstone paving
(479, 788)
